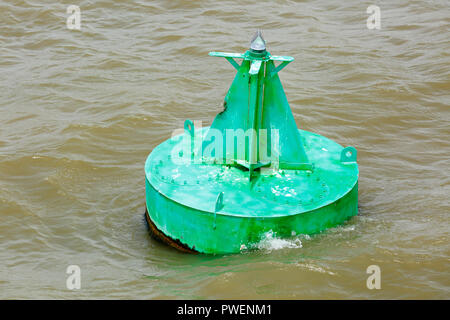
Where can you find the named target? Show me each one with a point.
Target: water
(81, 110)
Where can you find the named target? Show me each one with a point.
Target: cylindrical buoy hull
(190, 230)
(181, 200)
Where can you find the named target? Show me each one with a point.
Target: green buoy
(220, 189)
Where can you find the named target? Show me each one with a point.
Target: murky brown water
(81, 110)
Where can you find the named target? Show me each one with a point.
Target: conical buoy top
(258, 43)
(256, 104)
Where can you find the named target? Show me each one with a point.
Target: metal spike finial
(258, 43)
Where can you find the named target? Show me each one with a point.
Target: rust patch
(160, 236)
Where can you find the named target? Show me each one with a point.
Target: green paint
(256, 100)
(227, 200)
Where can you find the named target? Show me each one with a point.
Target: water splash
(269, 241)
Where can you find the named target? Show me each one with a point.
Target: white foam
(314, 268)
(271, 242)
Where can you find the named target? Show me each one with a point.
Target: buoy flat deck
(272, 193)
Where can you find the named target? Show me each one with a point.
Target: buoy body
(219, 189)
(181, 199)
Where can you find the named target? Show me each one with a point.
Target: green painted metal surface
(256, 101)
(220, 189)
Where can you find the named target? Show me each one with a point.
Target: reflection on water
(81, 110)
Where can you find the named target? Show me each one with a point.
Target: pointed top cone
(256, 101)
(258, 43)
